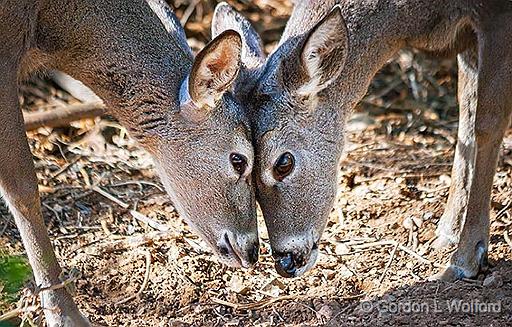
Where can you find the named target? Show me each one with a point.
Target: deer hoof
(465, 263)
(450, 274)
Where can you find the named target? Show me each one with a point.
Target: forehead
(279, 121)
(277, 110)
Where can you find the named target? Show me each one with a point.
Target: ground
(375, 255)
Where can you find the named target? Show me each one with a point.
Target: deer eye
(239, 162)
(284, 166)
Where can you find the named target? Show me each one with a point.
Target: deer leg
(450, 224)
(491, 105)
(18, 185)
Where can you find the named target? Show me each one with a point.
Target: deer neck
(137, 70)
(379, 29)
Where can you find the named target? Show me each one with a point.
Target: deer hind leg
(18, 185)
(450, 224)
(489, 105)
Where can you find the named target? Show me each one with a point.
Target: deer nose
(241, 251)
(287, 264)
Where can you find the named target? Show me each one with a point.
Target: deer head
(298, 141)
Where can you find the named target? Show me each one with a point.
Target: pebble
(408, 223)
(493, 281)
(325, 312)
(417, 221)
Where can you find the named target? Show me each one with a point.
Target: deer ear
(226, 17)
(324, 53)
(215, 69)
(212, 74)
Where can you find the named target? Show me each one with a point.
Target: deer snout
(240, 250)
(296, 262)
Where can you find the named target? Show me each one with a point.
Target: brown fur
(312, 128)
(121, 50)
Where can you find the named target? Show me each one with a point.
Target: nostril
(287, 262)
(223, 250)
(285, 265)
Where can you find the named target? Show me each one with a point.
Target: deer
(180, 109)
(327, 56)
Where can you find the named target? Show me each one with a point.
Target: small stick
(373, 244)
(256, 305)
(188, 12)
(264, 303)
(16, 312)
(419, 257)
(144, 282)
(135, 241)
(4, 228)
(388, 265)
(138, 183)
(87, 180)
(400, 247)
(62, 116)
(72, 278)
(109, 196)
(150, 222)
(507, 238)
(66, 167)
(504, 209)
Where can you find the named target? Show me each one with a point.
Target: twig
(372, 244)
(150, 222)
(507, 238)
(139, 183)
(66, 167)
(472, 281)
(420, 258)
(266, 302)
(62, 116)
(16, 312)
(258, 304)
(55, 212)
(135, 241)
(144, 282)
(377, 167)
(188, 12)
(504, 209)
(109, 196)
(400, 247)
(4, 228)
(65, 283)
(388, 265)
(85, 246)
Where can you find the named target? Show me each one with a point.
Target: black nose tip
(254, 252)
(287, 264)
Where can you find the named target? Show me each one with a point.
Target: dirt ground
(375, 254)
